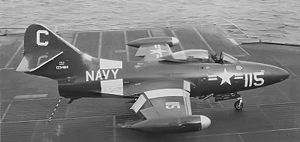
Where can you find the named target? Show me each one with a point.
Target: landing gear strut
(238, 105)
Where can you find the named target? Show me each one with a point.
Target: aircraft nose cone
(275, 74)
(284, 74)
(281, 74)
(205, 122)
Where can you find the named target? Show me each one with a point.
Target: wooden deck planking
(113, 45)
(219, 42)
(8, 48)
(189, 39)
(88, 42)
(14, 132)
(158, 33)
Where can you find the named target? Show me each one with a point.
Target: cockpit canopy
(200, 55)
(228, 59)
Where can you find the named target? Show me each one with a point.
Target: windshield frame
(228, 59)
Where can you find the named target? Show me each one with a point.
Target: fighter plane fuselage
(205, 78)
(80, 75)
(161, 82)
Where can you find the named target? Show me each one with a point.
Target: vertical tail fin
(47, 54)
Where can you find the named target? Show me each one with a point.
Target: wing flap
(163, 103)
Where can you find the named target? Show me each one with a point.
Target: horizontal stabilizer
(32, 62)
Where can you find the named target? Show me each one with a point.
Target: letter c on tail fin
(47, 54)
(38, 37)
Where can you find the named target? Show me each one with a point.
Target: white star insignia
(157, 51)
(225, 76)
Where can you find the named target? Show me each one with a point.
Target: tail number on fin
(38, 37)
(62, 66)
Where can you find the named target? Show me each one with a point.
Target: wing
(141, 87)
(153, 52)
(153, 48)
(165, 107)
(163, 103)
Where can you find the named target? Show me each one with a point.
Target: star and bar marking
(225, 76)
(158, 51)
(251, 79)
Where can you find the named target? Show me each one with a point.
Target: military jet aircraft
(161, 85)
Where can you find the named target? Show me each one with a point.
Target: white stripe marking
(7, 69)
(250, 79)
(187, 102)
(126, 46)
(5, 112)
(240, 31)
(246, 80)
(14, 55)
(112, 86)
(212, 79)
(233, 41)
(203, 39)
(238, 77)
(110, 64)
(31, 96)
(25, 60)
(56, 119)
(187, 86)
(100, 45)
(138, 104)
(149, 33)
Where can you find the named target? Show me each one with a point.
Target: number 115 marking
(254, 79)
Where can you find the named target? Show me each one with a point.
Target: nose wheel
(238, 105)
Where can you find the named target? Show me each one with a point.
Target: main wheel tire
(238, 105)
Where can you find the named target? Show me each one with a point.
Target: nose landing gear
(238, 105)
